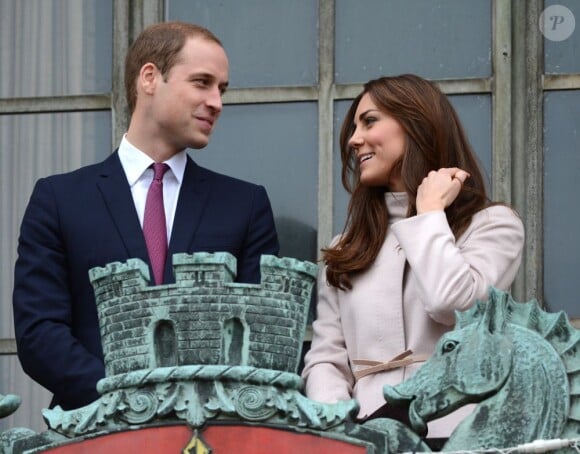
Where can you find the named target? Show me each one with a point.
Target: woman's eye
(449, 346)
(369, 120)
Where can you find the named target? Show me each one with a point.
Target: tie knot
(159, 169)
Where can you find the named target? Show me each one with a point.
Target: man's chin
(199, 143)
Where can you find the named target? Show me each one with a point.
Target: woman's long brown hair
(434, 139)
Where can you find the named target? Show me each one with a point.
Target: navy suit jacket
(87, 218)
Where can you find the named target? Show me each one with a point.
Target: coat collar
(191, 204)
(116, 192)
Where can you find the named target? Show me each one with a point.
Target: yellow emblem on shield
(196, 446)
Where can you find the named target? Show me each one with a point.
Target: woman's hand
(439, 189)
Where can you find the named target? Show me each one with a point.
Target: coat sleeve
(261, 238)
(327, 374)
(452, 275)
(43, 308)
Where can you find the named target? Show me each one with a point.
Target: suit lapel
(113, 185)
(189, 212)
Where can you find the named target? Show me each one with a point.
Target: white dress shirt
(136, 166)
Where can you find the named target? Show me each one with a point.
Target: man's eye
(201, 82)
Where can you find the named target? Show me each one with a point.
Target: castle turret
(205, 317)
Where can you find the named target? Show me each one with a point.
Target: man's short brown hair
(159, 44)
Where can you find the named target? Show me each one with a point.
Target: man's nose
(214, 100)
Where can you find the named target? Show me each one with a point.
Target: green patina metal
(204, 318)
(8, 404)
(207, 349)
(519, 364)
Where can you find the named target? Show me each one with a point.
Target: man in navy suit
(175, 76)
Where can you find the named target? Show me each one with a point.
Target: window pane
(475, 114)
(275, 145)
(436, 39)
(561, 207)
(268, 42)
(341, 197)
(562, 56)
(35, 146)
(55, 47)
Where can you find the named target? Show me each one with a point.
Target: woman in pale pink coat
(421, 241)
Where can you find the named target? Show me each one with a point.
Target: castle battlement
(205, 317)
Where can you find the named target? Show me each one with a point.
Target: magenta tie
(154, 227)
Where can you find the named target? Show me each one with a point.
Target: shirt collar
(135, 162)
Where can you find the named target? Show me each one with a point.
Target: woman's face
(378, 141)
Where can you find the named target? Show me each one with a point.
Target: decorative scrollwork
(141, 407)
(196, 399)
(252, 403)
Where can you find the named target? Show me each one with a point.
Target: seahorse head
(467, 366)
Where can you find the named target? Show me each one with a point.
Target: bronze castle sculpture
(215, 359)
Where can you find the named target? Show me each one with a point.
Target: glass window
(435, 39)
(55, 47)
(34, 146)
(561, 206)
(560, 47)
(275, 145)
(341, 197)
(268, 42)
(475, 114)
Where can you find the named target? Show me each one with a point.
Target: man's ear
(148, 77)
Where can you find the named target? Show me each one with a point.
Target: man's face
(188, 99)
